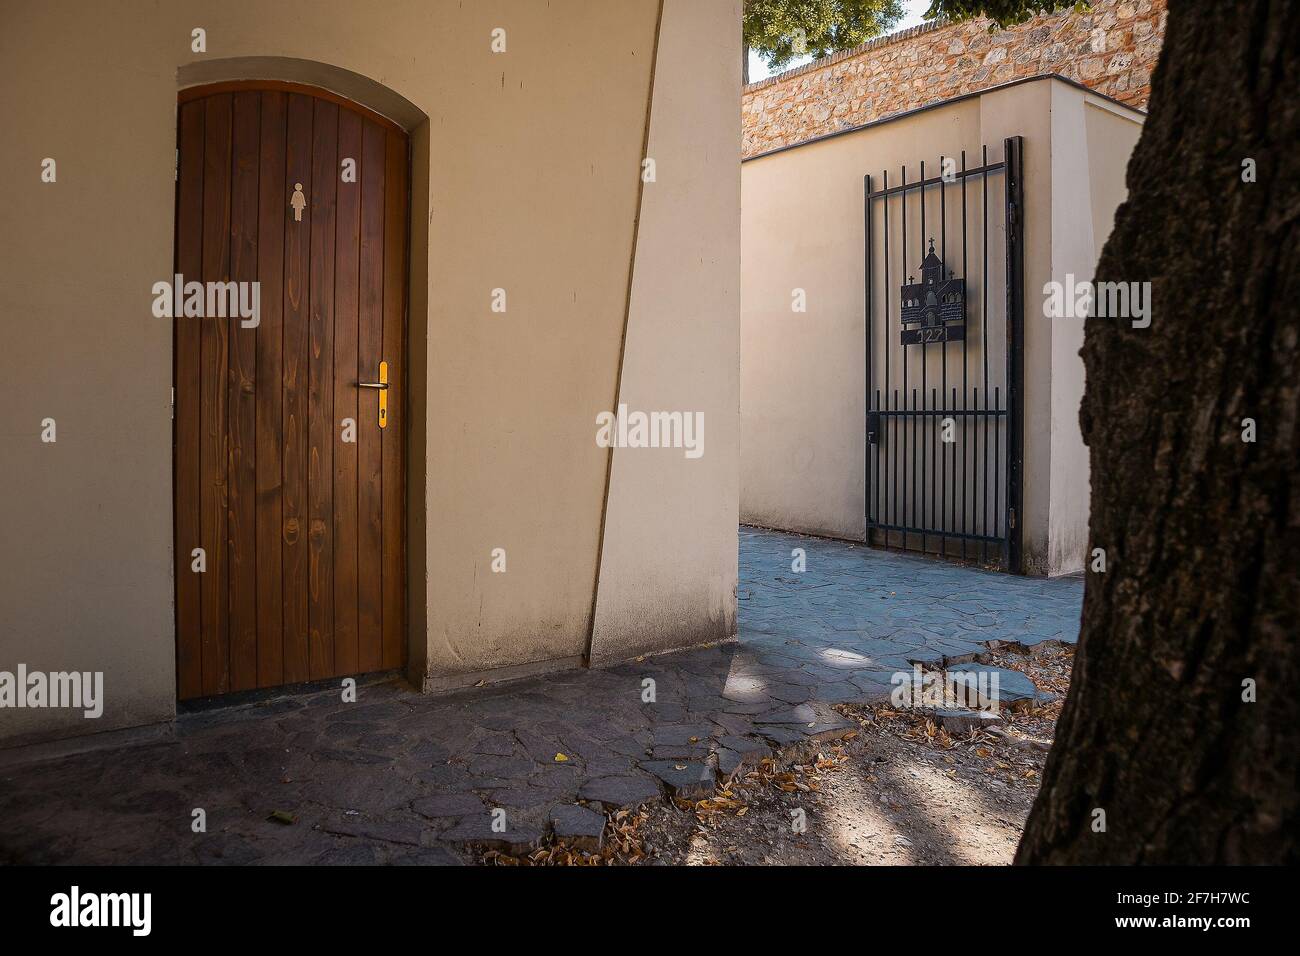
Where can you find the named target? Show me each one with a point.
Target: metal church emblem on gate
(934, 309)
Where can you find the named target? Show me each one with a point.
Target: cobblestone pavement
(404, 778)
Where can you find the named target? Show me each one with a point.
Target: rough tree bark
(1201, 530)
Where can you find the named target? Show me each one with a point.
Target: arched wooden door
(285, 476)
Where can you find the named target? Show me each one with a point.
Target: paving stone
(690, 780)
(620, 792)
(801, 715)
(734, 724)
(381, 830)
(627, 747)
(665, 711)
(227, 849)
(524, 798)
(349, 756)
(349, 854)
(497, 744)
(959, 721)
(541, 749)
(570, 776)
(426, 856)
(748, 709)
(429, 751)
(750, 748)
(382, 742)
(388, 710)
(782, 735)
(518, 838)
(680, 752)
(609, 766)
(445, 777)
(790, 693)
(1013, 687)
(578, 826)
(448, 805)
(348, 728)
(729, 762)
(502, 768)
(681, 733)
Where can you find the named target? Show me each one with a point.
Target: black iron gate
(945, 358)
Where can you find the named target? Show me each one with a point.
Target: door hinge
(1011, 517)
(176, 168)
(173, 403)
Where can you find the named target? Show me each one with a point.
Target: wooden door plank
(370, 344)
(394, 476)
(271, 208)
(241, 531)
(297, 252)
(347, 261)
(189, 263)
(213, 377)
(321, 432)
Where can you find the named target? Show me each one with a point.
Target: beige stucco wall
(518, 188)
(671, 521)
(803, 375)
(1092, 140)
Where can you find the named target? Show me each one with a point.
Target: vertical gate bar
(902, 263)
(1015, 358)
(953, 516)
(887, 425)
(916, 522)
(965, 385)
(975, 458)
(925, 363)
(934, 454)
(867, 484)
(944, 526)
(997, 468)
(984, 351)
(879, 428)
(893, 467)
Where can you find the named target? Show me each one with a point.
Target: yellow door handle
(382, 386)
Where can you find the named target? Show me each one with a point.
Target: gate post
(1013, 153)
(866, 394)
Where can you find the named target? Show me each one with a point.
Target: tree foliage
(1004, 13)
(781, 30)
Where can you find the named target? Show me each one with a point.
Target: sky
(911, 18)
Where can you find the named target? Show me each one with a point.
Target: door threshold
(262, 696)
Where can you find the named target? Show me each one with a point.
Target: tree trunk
(744, 64)
(1201, 530)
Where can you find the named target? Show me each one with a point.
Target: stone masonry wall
(1111, 47)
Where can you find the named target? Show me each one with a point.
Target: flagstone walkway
(404, 778)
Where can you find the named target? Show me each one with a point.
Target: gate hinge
(873, 427)
(1011, 517)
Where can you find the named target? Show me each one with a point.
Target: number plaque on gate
(934, 309)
